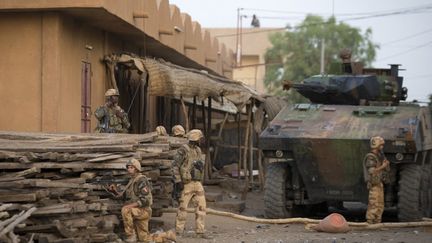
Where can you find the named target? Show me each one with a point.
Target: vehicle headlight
(399, 156)
(279, 153)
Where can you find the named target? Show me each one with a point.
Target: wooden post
(220, 136)
(209, 124)
(239, 144)
(203, 117)
(172, 115)
(251, 142)
(194, 112)
(246, 142)
(260, 170)
(144, 109)
(185, 114)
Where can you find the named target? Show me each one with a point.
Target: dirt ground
(225, 229)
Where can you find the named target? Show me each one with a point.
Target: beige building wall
(250, 73)
(45, 43)
(253, 42)
(21, 71)
(41, 86)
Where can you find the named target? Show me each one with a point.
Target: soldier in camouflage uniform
(111, 117)
(137, 210)
(375, 167)
(191, 167)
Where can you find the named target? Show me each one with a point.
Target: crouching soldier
(191, 167)
(137, 211)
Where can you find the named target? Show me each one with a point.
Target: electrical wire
(386, 14)
(418, 8)
(406, 51)
(408, 37)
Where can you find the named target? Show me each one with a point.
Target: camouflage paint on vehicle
(315, 152)
(328, 143)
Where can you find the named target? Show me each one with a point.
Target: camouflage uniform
(375, 185)
(111, 118)
(189, 162)
(116, 123)
(138, 191)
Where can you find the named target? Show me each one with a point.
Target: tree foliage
(299, 51)
(430, 101)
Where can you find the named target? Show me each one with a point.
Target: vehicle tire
(409, 194)
(275, 191)
(426, 191)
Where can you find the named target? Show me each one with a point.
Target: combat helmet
(111, 92)
(375, 142)
(194, 135)
(178, 131)
(135, 163)
(161, 131)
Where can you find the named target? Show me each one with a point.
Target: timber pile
(54, 183)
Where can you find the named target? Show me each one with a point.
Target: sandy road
(225, 229)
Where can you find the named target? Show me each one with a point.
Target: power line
(420, 76)
(404, 52)
(409, 37)
(399, 12)
(417, 8)
(252, 32)
(408, 11)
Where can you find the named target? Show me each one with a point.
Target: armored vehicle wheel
(426, 192)
(275, 191)
(412, 200)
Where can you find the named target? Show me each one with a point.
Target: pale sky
(402, 28)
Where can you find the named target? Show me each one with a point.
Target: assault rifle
(105, 128)
(106, 182)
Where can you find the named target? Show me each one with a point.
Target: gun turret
(357, 86)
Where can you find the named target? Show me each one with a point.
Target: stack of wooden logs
(56, 183)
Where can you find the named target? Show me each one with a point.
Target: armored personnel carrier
(315, 151)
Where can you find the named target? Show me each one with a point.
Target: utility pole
(322, 56)
(238, 37)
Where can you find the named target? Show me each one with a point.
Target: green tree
(430, 101)
(299, 51)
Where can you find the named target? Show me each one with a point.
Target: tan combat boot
(171, 235)
(131, 239)
(203, 236)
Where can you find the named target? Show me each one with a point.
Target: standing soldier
(178, 131)
(189, 162)
(375, 167)
(111, 117)
(137, 211)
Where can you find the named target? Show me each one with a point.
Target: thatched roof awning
(166, 79)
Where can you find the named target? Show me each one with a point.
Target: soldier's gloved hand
(199, 165)
(112, 187)
(120, 113)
